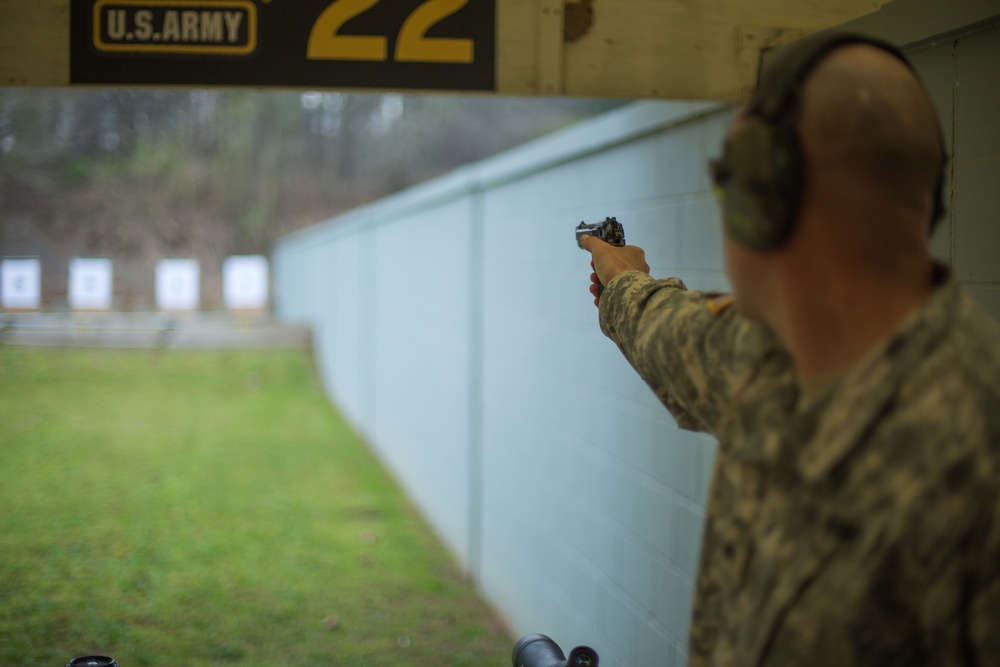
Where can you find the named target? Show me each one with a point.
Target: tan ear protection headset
(760, 172)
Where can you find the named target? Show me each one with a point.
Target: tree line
(137, 175)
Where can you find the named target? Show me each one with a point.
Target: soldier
(854, 514)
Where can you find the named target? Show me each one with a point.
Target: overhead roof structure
(672, 49)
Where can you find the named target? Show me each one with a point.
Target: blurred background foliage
(138, 175)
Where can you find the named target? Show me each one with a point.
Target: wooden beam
(34, 42)
(673, 49)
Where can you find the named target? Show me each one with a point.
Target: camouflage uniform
(858, 527)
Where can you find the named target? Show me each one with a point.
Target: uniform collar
(867, 390)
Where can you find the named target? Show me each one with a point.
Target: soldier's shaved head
(866, 112)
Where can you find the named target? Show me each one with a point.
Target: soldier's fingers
(590, 242)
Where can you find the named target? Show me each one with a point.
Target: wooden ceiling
(670, 49)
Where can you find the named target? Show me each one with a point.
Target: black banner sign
(397, 44)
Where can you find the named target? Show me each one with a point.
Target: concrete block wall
(975, 232)
(454, 329)
(956, 49)
(592, 498)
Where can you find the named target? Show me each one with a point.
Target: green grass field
(210, 508)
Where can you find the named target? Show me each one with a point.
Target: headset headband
(779, 84)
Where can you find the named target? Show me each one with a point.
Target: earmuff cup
(762, 191)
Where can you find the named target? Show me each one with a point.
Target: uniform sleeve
(692, 356)
(984, 626)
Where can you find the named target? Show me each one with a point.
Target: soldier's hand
(608, 261)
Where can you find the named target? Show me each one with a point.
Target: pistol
(609, 231)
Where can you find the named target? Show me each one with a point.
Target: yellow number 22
(412, 46)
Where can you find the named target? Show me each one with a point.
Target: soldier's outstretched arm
(690, 347)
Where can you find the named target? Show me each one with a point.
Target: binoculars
(540, 651)
(92, 661)
(530, 651)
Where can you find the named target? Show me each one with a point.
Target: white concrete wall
(592, 498)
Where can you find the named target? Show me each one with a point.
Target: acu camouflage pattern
(857, 528)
